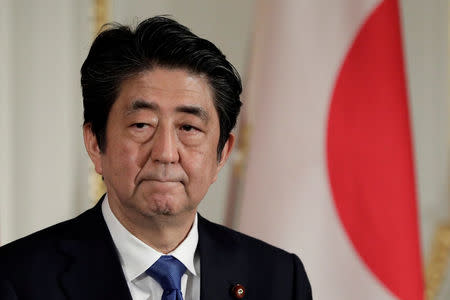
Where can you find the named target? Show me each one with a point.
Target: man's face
(161, 144)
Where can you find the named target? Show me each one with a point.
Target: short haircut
(120, 52)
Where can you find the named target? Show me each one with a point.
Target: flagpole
(438, 262)
(101, 16)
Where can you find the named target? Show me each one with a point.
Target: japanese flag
(330, 172)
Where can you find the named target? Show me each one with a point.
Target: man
(159, 107)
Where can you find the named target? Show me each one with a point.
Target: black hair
(119, 52)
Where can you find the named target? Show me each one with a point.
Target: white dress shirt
(136, 257)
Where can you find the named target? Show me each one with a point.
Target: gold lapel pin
(238, 291)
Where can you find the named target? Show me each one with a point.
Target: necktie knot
(167, 271)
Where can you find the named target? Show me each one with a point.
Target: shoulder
(267, 265)
(255, 251)
(20, 259)
(42, 245)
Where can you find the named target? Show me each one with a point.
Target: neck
(163, 233)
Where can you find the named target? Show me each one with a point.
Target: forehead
(167, 88)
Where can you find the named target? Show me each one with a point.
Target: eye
(190, 135)
(188, 128)
(140, 125)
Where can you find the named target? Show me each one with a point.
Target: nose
(164, 149)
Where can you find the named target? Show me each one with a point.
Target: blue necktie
(167, 271)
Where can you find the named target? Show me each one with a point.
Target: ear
(226, 151)
(92, 148)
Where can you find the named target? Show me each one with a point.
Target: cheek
(201, 168)
(122, 160)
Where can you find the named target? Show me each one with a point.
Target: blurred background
(45, 173)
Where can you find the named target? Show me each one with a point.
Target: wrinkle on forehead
(191, 82)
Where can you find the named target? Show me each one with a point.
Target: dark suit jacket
(77, 259)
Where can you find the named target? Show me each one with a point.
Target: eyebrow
(141, 104)
(194, 110)
(188, 109)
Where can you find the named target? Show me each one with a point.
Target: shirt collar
(136, 256)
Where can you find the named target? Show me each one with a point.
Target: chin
(162, 205)
(162, 212)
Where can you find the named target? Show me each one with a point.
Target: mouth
(162, 188)
(163, 183)
(162, 178)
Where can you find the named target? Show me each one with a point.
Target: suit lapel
(93, 270)
(222, 265)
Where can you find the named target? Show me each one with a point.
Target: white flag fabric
(330, 172)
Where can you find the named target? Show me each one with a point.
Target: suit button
(238, 291)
